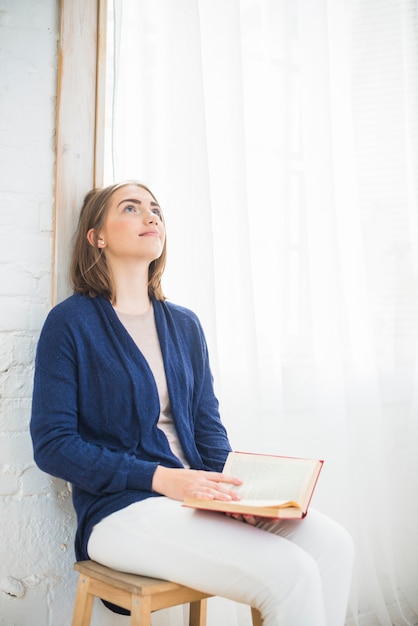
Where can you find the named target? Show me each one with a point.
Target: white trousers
(298, 573)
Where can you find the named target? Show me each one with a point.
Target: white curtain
(281, 139)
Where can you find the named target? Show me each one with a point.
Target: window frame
(79, 123)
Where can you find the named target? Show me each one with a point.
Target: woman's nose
(152, 217)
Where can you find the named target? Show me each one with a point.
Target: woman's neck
(132, 305)
(131, 292)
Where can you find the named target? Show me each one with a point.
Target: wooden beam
(100, 94)
(79, 123)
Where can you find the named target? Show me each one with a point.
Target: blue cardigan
(95, 406)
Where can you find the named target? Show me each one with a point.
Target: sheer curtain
(281, 139)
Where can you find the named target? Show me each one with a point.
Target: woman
(124, 409)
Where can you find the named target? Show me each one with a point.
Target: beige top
(143, 331)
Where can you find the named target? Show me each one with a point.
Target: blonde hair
(89, 271)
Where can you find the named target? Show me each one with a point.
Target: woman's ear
(94, 240)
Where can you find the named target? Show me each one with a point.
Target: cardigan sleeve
(59, 449)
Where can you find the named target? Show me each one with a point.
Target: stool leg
(140, 611)
(198, 613)
(83, 603)
(256, 615)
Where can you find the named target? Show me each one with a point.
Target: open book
(273, 486)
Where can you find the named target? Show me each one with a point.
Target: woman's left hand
(241, 517)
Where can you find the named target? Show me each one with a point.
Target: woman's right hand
(178, 483)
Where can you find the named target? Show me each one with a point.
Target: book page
(270, 477)
(270, 502)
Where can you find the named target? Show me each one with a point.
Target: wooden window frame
(79, 123)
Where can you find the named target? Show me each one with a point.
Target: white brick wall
(37, 521)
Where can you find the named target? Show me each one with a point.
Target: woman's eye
(129, 208)
(156, 212)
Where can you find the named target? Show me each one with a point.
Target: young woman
(124, 409)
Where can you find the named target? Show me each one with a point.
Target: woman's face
(133, 229)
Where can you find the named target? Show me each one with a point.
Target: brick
(23, 247)
(17, 313)
(33, 603)
(15, 414)
(42, 526)
(17, 348)
(16, 451)
(17, 381)
(9, 483)
(16, 280)
(23, 282)
(31, 209)
(34, 482)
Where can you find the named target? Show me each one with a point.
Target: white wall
(37, 522)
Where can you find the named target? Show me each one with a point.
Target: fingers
(247, 519)
(179, 483)
(213, 491)
(224, 478)
(212, 485)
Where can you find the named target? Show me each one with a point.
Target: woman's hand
(177, 483)
(245, 517)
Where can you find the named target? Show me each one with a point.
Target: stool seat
(140, 595)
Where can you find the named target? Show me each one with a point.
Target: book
(273, 486)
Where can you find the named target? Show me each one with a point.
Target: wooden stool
(138, 594)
